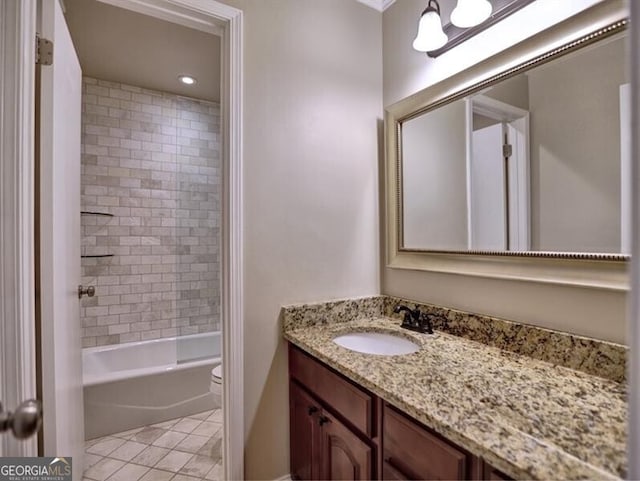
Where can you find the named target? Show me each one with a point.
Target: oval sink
(378, 343)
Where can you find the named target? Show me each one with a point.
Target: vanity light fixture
(430, 35)
(187, 79)
(469, 18)
(469, 13)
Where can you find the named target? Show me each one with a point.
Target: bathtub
(139, 383)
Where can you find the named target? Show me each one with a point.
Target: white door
(626, 183)
(488, 188)
(63, 425)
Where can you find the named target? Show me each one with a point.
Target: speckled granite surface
(526, 417)
(592, 356)
(341, 310)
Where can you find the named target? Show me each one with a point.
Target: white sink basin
(378, 343)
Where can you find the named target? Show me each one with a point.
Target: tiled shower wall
(152, 160)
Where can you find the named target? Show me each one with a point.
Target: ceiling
(380, 5)
(127, 47)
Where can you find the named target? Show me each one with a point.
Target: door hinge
(44, 51)
(507, 151)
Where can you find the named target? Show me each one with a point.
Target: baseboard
(286, 477)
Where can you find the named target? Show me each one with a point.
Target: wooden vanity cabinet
(492, 474)
(305, 434)
(343, 454)
(411, 451)
(331, 424)
(339, 430)
(321, 446)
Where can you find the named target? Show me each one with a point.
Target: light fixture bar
(469, 13)
(501, 10)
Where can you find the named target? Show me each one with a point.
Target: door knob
(86, 291)
(25, 421)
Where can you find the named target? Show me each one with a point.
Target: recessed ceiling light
(187, 79)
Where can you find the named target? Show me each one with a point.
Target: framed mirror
(520, 166)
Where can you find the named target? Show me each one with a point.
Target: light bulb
(187, 79)
(469, 13)
(430, 35)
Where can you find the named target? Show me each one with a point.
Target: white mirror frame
(603, 271)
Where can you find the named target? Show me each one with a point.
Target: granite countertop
(529, 418)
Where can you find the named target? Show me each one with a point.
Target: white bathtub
(139, 383)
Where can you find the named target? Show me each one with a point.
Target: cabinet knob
(323, 420)
(312, 409)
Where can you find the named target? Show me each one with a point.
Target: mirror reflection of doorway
(498, 175)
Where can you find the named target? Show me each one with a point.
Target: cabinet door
(415, 453)
(492, 474)
(304, 434)
(390, 473)
(344, 455)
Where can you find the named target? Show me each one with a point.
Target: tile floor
(183, 449)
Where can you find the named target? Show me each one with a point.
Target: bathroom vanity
(460, 407)
(472, 189)
(341, 431)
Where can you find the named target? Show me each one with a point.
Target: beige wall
(585, 311)
(433, 147)
(575, 150)
(313, 103)
(514, 91)
(312, 106)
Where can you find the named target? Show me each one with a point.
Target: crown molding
(387, 3)
(379, 5)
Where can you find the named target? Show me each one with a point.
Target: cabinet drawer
(492, 474)
(414, 452)
(351, 402)
(392, 474)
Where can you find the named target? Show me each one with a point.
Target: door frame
(517, 123)
(17, 274)
(227, 22)
(633, 316)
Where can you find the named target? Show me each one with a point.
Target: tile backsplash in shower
(152, 160)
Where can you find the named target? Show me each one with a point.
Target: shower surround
(152, 160)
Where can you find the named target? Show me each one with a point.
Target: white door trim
(17, 337)
(633, 320)
(520, 180)
(17, 276)
(190, 13)
(626, 182)
(517, 121)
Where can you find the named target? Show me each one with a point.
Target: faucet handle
(411, 317)
(425, 322)
(407, 319)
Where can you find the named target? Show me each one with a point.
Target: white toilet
(216, 385)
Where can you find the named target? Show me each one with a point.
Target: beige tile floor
(183, 449)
